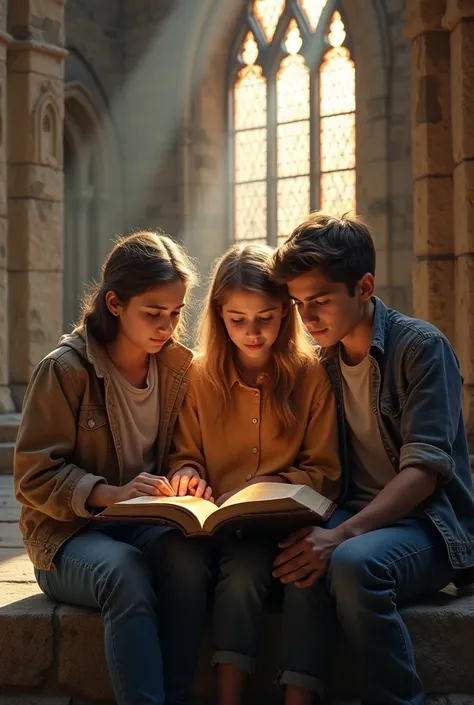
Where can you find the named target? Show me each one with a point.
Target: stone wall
(35, 184)
(94, 39)
(6, 403)
(442, 33)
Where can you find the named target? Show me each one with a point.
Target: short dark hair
(341, 248)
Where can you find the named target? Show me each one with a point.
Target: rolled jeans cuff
(311, 683)
(241, 661)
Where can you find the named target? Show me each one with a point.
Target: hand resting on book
(187, 481)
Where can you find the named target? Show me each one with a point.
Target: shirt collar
(234, 377)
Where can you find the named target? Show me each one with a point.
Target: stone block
(36, 321)
(433, 293)
(25, 12)
(16, 567)
(462, 90)
(81, 656)
(382, 267)
(26, 635)
(433, 230)
(401, 177)
(423, 16)
(6, 401)
(35, 181)
(36, 61)
(3, 15)
(457, 10)
(4, 376)
(401, 262)
(9, 535)
(36, 229)
(463, 207)
(27, 93)
(431, 106)
(464, 326)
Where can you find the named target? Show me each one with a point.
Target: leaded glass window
(292, 146)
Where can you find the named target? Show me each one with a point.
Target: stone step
(9, 427)
(7, 450)
(57, 650)
(8, 431)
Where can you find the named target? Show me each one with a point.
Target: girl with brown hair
(96, 427)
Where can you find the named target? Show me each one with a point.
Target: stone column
(433, 275)
(35, 172)
(459, 19)
(6, 403)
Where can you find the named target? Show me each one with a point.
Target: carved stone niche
(48, 131)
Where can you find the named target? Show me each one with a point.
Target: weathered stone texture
(81, 657)
(462, 78)
(433, 231)
(456, 10)
(433, 293)
(26, 635)
(424, 16)
(431, 108)
(36, 299)
(465, 316)
(36, 230)
(464, 207)
(94, 31)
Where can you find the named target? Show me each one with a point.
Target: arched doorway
(92, 202)
(83, 183)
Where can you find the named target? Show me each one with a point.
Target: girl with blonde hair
(259, 408)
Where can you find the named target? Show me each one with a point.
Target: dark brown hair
(135, 264)
(341, 248)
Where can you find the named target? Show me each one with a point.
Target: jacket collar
(174, 356)
(379, 329)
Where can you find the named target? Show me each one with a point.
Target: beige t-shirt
(138, 414)
(371, 469)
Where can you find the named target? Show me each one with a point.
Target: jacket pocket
(92, 417)
(392, 404)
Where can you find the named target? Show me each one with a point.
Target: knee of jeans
(351, 568)
(126, 575)
(187, 561)
(240, 578)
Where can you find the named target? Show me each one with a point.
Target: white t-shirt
(370, 466)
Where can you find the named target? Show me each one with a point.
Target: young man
(405, 525)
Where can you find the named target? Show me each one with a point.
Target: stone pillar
(35, 173)
(433, 275)
(459, 19)
(6, 403)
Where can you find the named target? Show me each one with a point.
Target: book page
(201, 508)
(263, 491)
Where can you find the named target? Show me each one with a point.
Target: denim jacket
(416, 396)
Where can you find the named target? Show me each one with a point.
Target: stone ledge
(52, 650)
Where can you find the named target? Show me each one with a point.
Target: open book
(264, 503)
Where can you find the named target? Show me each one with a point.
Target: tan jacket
(233, 446)
(68, 440)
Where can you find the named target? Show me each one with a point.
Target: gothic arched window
(292, 117)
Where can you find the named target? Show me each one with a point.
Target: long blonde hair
(248, 268)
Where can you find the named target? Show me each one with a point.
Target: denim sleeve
(431, 415)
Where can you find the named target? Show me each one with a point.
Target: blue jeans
(151, 585)
(368, 578)
(244, 583)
